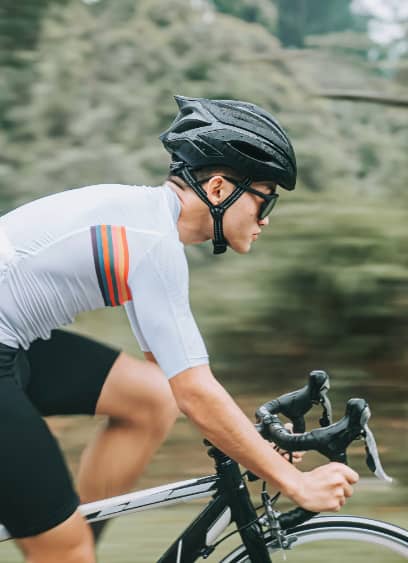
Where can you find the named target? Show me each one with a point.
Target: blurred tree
(20, 25)
(291, 22)
(388, 25)
(296, 18)
(326, 16)
(240, 9)
(99, 88)
(253, 11)
(20, 28)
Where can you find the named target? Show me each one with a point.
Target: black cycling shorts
(63, 375)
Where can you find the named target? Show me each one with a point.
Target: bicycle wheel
(339, 538)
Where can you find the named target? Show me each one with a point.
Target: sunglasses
(269, 199)
(268, 203)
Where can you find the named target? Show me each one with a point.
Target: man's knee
(69, 542)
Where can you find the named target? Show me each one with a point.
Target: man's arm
(219, 418)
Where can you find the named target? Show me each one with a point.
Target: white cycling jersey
(87, 248)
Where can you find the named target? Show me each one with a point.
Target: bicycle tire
(321, 528)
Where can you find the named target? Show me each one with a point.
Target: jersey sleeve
(160, 313)
(134, 323)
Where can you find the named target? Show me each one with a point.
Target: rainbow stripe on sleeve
(111, 258)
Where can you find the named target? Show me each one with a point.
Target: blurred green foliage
(326, 286)
(91, 88)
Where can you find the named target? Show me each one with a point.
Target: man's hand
(326, 487)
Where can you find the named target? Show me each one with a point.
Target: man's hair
(206, 173)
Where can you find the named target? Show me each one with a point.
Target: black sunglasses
(268, 203)
(269, 199)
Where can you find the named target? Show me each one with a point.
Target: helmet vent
(251, 151)
(188, 125)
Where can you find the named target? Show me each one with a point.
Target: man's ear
(215, 189)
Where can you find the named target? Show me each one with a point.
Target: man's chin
(242, 248)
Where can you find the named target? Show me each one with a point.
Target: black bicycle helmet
(232, 134)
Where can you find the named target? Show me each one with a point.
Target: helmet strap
(217, 211)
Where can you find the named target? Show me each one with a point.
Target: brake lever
(372, 455)
(327, 415)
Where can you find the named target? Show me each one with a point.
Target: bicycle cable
(257, 519)
(272, 499)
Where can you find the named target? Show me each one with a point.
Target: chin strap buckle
(219, 242)
(219, 247)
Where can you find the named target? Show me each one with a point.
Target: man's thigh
(67, 373)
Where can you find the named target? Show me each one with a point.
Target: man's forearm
(220, 419)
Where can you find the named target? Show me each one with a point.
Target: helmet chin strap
(217, 211)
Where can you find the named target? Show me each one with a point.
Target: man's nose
(264, 221)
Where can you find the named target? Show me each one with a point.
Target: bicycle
(265, 533)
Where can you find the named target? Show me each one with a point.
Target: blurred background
(86, 86)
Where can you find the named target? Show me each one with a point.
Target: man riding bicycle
(111, 245)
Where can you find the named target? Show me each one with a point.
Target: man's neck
(195, 222)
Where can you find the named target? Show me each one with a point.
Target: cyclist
(111, 245)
